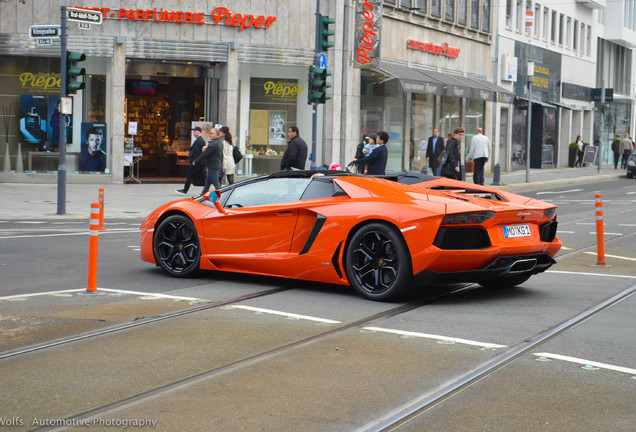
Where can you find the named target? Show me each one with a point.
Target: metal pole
(600, 140)
(528, 124)
(61, 169)
(314, 106)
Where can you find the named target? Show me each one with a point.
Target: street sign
(66, 105)
(44, 31)
(44, 41)
(322, 61)
(84, 26)
(83, 15)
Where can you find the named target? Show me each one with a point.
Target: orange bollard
(101, 210)
(93, 241)
(600, 234)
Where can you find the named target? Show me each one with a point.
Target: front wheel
(378, 263)
(176, 246)
(504, 282)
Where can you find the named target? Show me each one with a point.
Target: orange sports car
(385, 236)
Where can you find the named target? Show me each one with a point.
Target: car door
(260, 220)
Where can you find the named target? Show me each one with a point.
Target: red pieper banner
(368, 27)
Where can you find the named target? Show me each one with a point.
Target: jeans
(626, 155)
(211, 179)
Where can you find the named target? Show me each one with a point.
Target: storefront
(151, 76)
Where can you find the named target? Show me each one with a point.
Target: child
(369, 146)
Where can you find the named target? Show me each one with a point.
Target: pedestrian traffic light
(318, 85)
(74, 73)
(324, 33)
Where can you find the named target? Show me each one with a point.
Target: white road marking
(627, 225)
(559, 192)
(592, 274)
(586, 223)
(30, 222)
(586, 362)
(101, 289)
(436, 337)
(607, 233)
(566, 248)
(285, 314)
(613, 256)
(565, 232)
(112, 231)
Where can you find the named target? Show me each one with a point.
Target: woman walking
(451, 168)
(229, 167)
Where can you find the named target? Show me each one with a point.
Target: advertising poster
(53, 131)
(33, 119)
(93, 148)
(277, 130)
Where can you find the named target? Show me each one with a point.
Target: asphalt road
(312, 357)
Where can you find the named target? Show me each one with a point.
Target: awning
(481, 89)
(502, 95)
(456, 86)
(543, 104)
(413, 81)
(570, 107)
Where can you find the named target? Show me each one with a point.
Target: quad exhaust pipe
(523, 265)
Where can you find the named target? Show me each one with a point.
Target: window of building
(520, 14)
(422, 115)
(485, 15)
(528, 9)
(462, 12)
(588, 43)
(390, 2)
(421, 5)
(537, 20)
(407, 4)
(582, 36)
(568, 33)
(561, 29)
(449, 10)
(546, 23)
(474, 14)
(436, 8)
(575, 38)
(553, 33)
(509, 13)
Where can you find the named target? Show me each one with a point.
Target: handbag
(236, 154)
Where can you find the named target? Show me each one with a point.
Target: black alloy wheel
(176, 246)
(378, 262)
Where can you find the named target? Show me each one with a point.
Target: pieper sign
(219, 16)
(442, 50)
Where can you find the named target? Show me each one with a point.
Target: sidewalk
(135, 201)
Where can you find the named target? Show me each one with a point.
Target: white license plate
(516, 231)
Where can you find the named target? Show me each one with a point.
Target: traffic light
(74, 73)
(323, 38)
(318, 85)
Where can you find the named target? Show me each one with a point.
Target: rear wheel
(504, 282)
(176, 246)
(378, 263)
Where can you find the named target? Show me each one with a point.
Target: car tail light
(471, 218)
(550, 213)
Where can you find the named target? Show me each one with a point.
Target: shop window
(382, 109)
(422, 115)
(273, 109)
(450, 116)
(474, 119)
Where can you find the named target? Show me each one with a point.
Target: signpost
(44, 31)
(81, 16)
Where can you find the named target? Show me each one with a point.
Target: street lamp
(529, 120)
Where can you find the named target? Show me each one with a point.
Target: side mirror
(215, 197)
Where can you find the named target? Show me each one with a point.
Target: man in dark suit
(296, 154)
(213, 158)
(433, 152)
(378, 157)
(195, 152)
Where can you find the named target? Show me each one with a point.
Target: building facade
(154, 70)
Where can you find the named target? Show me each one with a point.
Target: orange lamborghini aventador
(385, 236)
